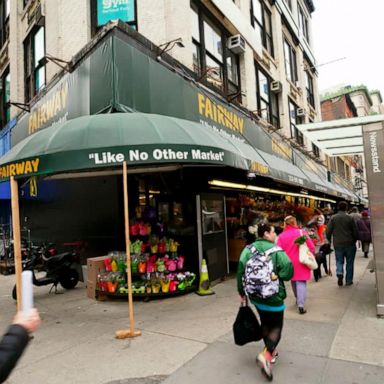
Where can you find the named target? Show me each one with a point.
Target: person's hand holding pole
(30, 321)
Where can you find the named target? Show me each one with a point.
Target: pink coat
(286, 240)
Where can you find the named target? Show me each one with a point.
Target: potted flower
(165, 282)
(155, 283)
(173, 246)
(153, 242)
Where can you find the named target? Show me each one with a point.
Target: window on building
(332, 163)
(267, 102)
(34, 52)
(211, 60)
(213, 55)
(5, 108)
(290, 62)
(294, 120)
(315, 150)
(309, 89)
(262, 22)
(104, 11)
(303, 24)
(4, 21)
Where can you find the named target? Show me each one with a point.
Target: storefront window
(163, 212)
(212, 216)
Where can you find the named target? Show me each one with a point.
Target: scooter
(58, 269)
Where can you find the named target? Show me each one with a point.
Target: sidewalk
(339, 340)
(188, 338)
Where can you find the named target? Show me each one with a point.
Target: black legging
(271, 326)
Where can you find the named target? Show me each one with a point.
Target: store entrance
(212, 234)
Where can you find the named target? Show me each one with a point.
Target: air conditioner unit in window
(276, 87)
(236, 44)
(300, 112)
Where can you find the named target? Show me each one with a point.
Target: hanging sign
(108, 10)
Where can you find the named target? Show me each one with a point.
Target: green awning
(106, 140)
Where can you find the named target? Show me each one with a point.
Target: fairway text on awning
(219, 114)
(18, 169)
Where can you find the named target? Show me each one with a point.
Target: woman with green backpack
(263, 268)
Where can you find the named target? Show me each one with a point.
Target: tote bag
(306, 257)
(246, 327)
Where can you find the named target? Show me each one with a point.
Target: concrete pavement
(188, 338)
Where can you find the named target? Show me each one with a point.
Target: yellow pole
(16, 237)
(122, 334)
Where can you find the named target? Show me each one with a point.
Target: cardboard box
(95, 266)
(91, 289)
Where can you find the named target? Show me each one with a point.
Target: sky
(353, 29)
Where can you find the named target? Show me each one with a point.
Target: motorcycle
(58, 269)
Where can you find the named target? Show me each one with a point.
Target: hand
(29, 321)
(242, 299)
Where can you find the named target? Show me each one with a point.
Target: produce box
(95, 266)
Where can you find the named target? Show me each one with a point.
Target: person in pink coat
(301, 273)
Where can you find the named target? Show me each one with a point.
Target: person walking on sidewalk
(319, 220)
(364, 230)
(342, 229)
(301, 273)
(355, 214)
(270, 309)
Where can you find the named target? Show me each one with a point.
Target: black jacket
(12, 346)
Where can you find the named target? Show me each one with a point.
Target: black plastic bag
(246, 327)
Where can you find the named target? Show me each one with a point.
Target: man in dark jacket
(343, 229)
(15, 340)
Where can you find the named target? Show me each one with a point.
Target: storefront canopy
(106, 140)
(339, 137)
